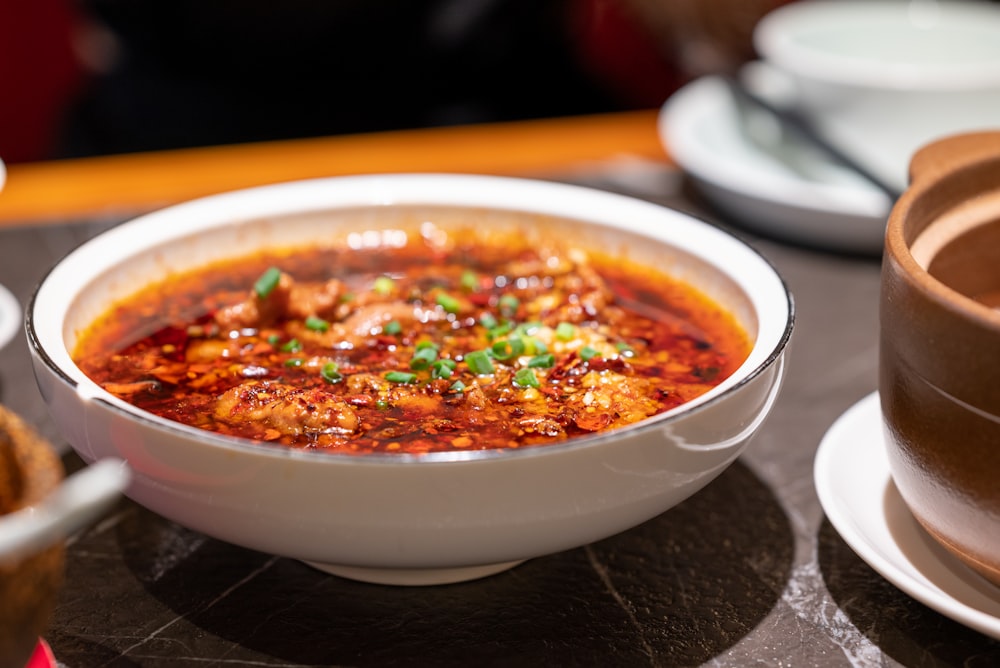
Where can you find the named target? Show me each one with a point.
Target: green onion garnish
(535, 346)
(565, 331)
(500, 330)
(443, 368)
(528, 328)
(542, 361)
(587, 353)
(384, 285)
(392, 328)
(625, 349)
(526, 378)
(488, 321)
(457, 386)
(469, 280)
(330, 373)
(400, 377)
(423, 357)
(508, 348)
(479, 362)
(267, 282)
(273, 339)
(448, 303)
(291, 346)
(293, 362)
(508, 305)
(317, 324)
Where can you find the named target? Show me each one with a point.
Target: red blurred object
(621, 53)
(42, 657)
(39, 73)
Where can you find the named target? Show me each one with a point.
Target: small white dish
(881, 78)
(784, 190)
(10, 316)
(855, 489)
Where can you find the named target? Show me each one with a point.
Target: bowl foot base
(414, 577)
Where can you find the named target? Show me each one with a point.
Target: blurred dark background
(94, 77)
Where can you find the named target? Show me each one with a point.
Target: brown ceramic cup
(939, 365)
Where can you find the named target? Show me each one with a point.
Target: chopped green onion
(273, 339)
(488, 320)
(457, 386)
(625, 349)
(508, 305)
(448, 303)
(427, 343)
(267, 282)
(565, 331)
(535, 346)
(347, 297)
(542, 361)
(526, 378)
(381, 404)
(479, 362)
(392, 328)
(508, 348)
(384, 285)
(499, 331)
(293, 362)
(400, 377)
(443, 368)
(331, 373)
(291, 346)
(423, 357)
(317, 324)
(587, 353)
(528, 328)
(469, 280)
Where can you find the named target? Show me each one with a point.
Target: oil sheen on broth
(424, 347)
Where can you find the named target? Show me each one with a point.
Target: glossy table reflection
(746, 572)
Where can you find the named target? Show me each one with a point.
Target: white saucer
(10, 316)
(787, 190)
(855, 488)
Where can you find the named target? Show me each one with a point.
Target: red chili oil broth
(670, 342)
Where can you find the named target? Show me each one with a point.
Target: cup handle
(953, 152)
(80, 499)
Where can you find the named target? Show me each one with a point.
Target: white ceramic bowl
(884, 77)
(414, 519)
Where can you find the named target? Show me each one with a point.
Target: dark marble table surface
(747, 572)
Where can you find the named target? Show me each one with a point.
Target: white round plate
(769, 182)
(855, 488)
(10, 316)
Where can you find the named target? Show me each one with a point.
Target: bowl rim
(408, 189)
(775, 39)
